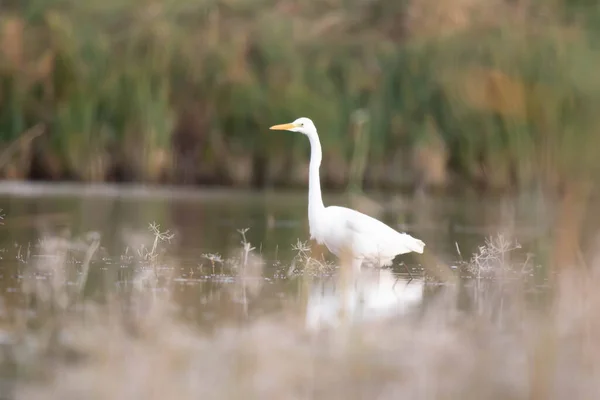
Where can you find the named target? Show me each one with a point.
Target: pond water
(208, 220)
(206, 223)
(229, 258)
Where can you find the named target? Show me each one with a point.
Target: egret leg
(408, 270)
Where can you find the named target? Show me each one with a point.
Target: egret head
(302, 125)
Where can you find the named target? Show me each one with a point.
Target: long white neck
(315, 200)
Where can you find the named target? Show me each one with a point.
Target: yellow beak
(283, 127)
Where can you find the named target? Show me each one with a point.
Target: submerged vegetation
(494, 93)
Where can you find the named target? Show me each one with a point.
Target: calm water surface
(92, 302)
(205, 224)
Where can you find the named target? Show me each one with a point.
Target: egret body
(343, 230)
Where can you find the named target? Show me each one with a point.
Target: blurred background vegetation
(492, 94)
(463, 96)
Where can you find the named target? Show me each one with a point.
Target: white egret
(343, 230)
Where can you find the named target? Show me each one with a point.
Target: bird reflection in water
(376, 294)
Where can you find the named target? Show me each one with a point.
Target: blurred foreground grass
(500, 334)
(495, 93)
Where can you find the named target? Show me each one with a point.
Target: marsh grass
(498, 93)
(497, 335)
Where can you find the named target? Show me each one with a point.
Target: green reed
(511, 99)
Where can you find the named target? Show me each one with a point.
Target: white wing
(368, 237)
